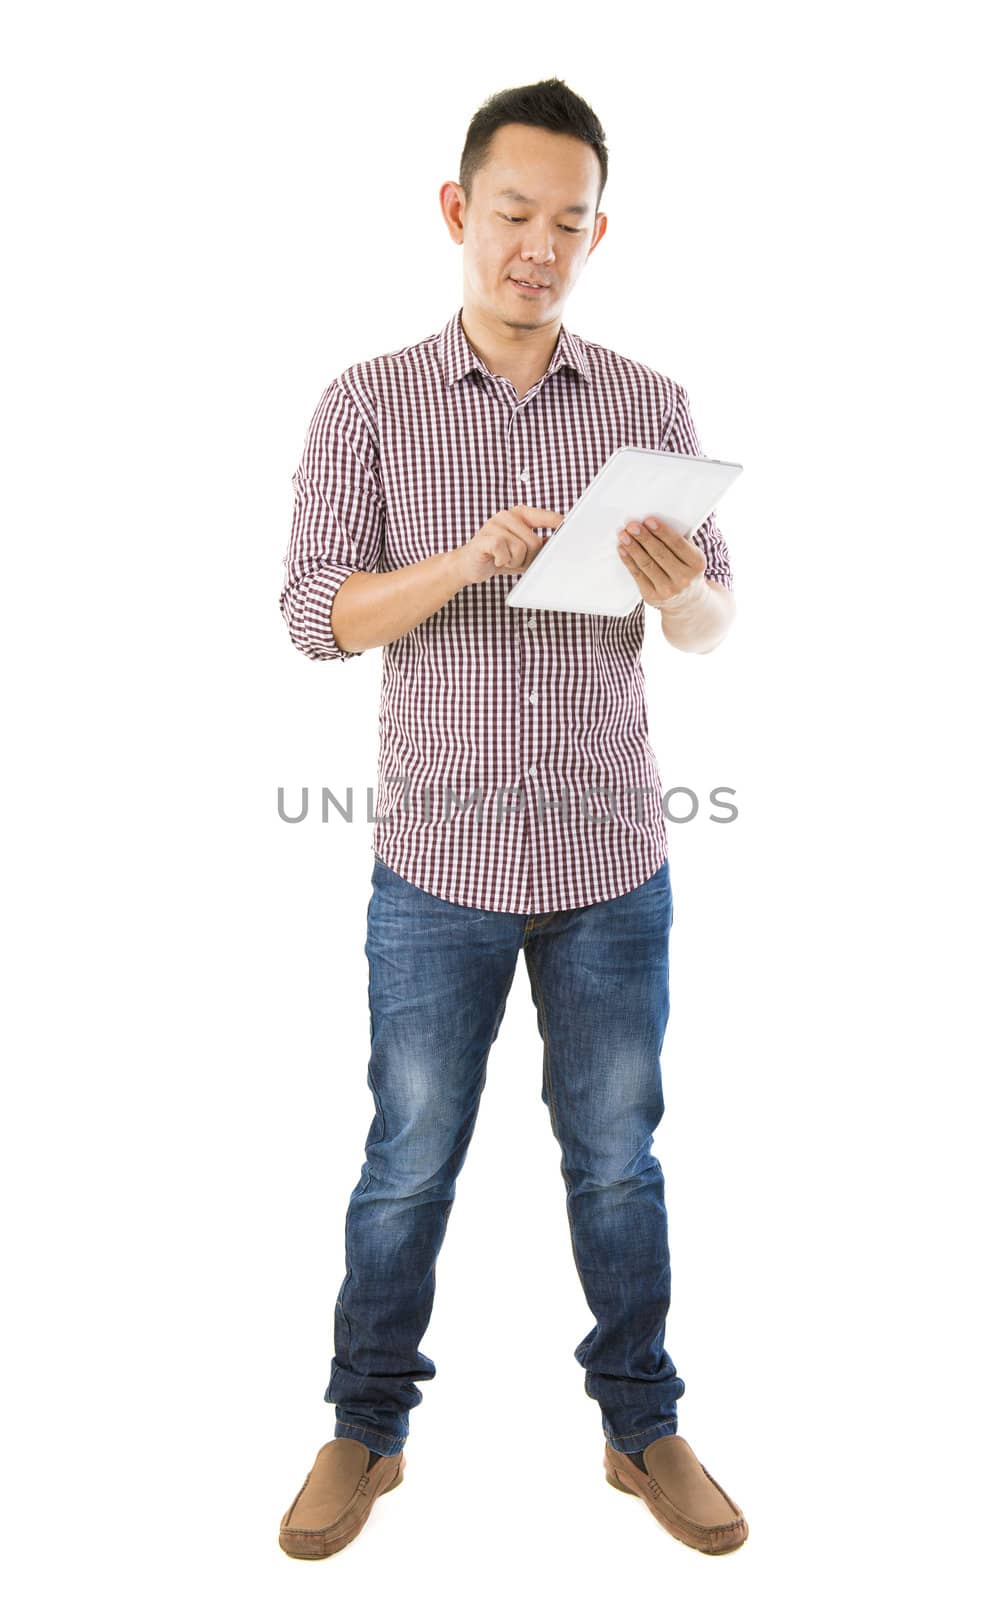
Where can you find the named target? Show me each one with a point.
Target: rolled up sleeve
(338, 523)
(680, 437)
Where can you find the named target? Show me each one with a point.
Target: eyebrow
(525, 200)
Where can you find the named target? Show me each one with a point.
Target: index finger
(669, 533)
(538, 516)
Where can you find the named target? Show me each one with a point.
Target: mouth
(529, 288)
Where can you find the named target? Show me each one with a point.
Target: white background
(213, 210)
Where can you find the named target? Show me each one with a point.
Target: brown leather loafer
(680, 1492)
(336, 1498)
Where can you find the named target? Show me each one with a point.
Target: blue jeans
(440, 974)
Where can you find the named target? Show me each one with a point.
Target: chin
(528, 310)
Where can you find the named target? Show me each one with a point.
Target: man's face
(544, 237)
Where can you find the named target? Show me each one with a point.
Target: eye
(562, 224)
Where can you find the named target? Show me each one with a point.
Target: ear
(452, 201)
(600, 224)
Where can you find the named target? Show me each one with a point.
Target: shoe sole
(681, 1531)
(316, 1545)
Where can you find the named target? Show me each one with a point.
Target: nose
(539, 250)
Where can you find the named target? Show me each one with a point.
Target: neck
(515, 350)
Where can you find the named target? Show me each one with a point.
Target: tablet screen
(579, 568)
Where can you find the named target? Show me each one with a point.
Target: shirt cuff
(308, 612)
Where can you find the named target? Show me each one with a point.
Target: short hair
(550, 104)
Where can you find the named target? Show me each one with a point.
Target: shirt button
(523, 475)
(533, 696)
(529, 621)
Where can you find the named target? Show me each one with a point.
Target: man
(426, 478)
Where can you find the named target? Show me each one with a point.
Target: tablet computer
(579, 567)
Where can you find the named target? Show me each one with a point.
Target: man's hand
(506, 543)
(663, 562)
(670, 573)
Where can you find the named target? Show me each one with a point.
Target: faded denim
(440, 975)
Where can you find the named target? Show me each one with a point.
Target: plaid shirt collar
(458, 359)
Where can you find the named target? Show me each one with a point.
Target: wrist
(455, 569)
(698, 626)
(686, 598)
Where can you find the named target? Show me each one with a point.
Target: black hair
(549, 104)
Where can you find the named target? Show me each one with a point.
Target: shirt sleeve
(338, 521)
(680, 437)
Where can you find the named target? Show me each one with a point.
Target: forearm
(373, 608)
(699, 618)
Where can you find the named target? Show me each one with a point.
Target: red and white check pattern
(533, 714)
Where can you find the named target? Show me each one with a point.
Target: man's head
(525, 206)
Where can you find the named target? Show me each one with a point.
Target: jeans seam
(539, 999)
